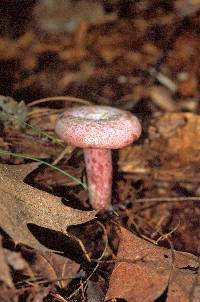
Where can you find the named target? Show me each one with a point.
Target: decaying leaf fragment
(21, 204)
(145, 271)
(12, 111)
(4, 269)
(51, 266)
(44, 265)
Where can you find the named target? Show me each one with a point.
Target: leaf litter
(140, 61)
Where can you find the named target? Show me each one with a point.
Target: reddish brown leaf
(145, 271)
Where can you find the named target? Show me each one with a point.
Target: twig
(167, 199)
(59, 98)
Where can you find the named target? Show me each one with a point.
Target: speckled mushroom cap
(98, 127)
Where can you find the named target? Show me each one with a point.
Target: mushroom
(98, 129)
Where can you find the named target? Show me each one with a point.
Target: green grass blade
(2, 152)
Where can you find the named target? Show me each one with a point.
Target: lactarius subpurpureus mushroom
(98, 129)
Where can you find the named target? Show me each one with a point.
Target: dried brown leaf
(22, 204)
(52, 267)
(145, 271)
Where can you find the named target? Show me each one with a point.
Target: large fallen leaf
(170, 151)
(145, 272)
(22, 204)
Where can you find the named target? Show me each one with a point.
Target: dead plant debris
(142, 56)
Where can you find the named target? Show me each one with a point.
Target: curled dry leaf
(145, 271)
(22, 204)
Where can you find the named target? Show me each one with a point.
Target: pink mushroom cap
(101, 127)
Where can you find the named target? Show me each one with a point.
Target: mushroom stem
(99, 176)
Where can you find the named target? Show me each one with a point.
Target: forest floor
(140, 56)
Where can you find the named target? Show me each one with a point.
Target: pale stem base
(99, 175)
